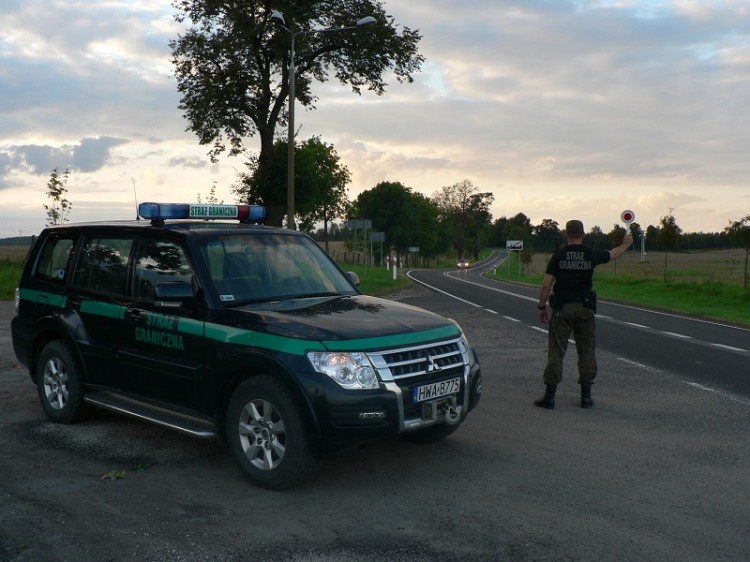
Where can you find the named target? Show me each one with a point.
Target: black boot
(586, 401)
(548, 400)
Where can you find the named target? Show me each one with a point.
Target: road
(711, 354)
(658, 470)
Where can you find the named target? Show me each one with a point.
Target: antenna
(135, 197)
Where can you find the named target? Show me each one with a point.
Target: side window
(103, 265)
(54, 259)
(159, 261)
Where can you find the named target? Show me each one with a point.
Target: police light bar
(164, 211)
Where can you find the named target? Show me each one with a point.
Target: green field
(706, 284)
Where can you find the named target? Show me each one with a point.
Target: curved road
(712, 355)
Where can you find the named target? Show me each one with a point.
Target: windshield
(271, 266)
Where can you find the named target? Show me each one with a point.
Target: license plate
(436, 390)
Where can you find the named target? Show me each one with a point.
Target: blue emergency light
(164, 211)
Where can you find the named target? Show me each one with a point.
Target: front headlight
(350, 370)
(465, 347)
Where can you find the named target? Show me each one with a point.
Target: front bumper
(350, 418)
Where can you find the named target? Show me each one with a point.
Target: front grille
(418, 365)
(416, 361)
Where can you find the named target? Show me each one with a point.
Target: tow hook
(452, 417)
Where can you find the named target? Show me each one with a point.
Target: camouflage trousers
(579, 320)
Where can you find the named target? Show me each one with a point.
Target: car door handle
(134, 316)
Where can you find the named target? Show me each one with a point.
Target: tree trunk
(275, 206)
(325, 231)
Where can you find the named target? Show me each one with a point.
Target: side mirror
(353, 277)
(170, 294)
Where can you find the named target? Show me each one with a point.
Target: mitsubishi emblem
(431, 365)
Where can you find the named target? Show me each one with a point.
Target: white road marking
(728, 347)
(636, 325)
(676, 335)
(718, 392)
(636, 364)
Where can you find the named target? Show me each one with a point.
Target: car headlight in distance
(350, 370)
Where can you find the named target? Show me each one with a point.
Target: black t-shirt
(573, 270)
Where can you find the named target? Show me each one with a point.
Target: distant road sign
(359, 223)
(627, 217)
(514, 244)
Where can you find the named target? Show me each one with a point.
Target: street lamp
(279, 17)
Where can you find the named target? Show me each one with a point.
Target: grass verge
(711, 299)
(10, 275)
(377, 280)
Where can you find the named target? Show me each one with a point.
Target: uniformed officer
(573, 304)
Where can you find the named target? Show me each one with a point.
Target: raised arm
(615, 253)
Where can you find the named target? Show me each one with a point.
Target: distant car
(462, 264)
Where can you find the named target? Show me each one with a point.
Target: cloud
(184, 162)
(89, 155)
(92, 154)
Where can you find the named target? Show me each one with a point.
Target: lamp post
(278, 16)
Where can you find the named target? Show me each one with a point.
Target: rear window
(159, 261)
(103, 265)
(54, 259)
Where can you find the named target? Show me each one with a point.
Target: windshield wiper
(314, 295)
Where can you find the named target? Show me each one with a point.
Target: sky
(561, 109)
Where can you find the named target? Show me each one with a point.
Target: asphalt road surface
(711, 353)
(659, 469)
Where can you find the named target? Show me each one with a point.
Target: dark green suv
(227, 329)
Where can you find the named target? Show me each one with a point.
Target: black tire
(430, 434)
(267, 436)
(58, 382)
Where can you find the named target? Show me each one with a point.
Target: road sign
(627, 217)
(359, 223)
(514, 244)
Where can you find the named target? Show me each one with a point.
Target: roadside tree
(211, 198)
(406, 218)
(518, 227)
(740, 231)
(232, 68)
(597, 238)
(547, 235)
(616, 235)
(57, 191)
(320, 178)
(669, 238)
(454, 203)
(479, 219)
